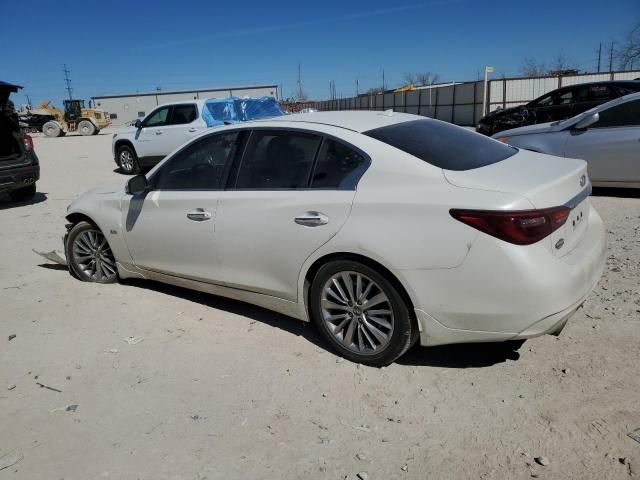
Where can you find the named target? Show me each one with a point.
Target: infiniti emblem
(583, 180)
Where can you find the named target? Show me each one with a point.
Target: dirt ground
(217, 389)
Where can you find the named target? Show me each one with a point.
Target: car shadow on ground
(53, 266)
(7, 202)
(616, 192)
(447, 356)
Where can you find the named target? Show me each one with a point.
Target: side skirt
(285, 307)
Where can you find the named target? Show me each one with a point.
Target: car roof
(635, 83)
(355, 120)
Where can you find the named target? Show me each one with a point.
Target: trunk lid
(545, 181)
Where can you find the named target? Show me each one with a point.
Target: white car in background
(384, 229)
(159, 133)
(607, 137)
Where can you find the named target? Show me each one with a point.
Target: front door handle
(193, 130)
(199, 215)
(158, 132)
(312, 219)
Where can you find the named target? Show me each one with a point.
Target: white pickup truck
(158, 134)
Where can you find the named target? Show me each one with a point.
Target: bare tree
(629, 52)
(421, 78)
(532, 68)
(562, 66)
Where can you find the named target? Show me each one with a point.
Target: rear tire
(51, 129)
(128, 160)
(374, 334)
(24, 193)
(85, 127)
(97, 131)
(89, 255)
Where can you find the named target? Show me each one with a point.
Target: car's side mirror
(138, 124)
(587, 121)
(137, 185)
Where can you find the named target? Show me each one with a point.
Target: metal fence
(462, 103)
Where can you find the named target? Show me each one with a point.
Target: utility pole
(67, 81)
(300, 92)
(487, 71)
(611, 58)
(29, 103)
(599, 56)
(383, 86)
(357, 87)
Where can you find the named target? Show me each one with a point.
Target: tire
(349, 326)
(85, 127)
(89, 255)
(51, 129)
(127, 160)
(24, 193)
(97, 131)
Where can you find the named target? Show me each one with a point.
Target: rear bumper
(504, 292)
(18, 177)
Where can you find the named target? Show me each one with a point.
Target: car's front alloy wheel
(89, 254)
(361, 313)
(127, 160)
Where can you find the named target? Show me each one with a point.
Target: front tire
(85, 127)
(128, 160)
(361, 313)
(24, 193)
(89, 255)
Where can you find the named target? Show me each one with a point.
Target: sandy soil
(217, 389)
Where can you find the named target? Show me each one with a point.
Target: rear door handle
(312, 219)
(193, 130)
(158, 132)
(199, 215)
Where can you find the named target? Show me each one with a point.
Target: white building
(127, 107)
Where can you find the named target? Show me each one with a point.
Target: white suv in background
(158, 134)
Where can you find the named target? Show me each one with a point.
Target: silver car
(607, 137)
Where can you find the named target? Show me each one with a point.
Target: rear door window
(182, 114)
(338, 166)
(277, 160)
(443, 145)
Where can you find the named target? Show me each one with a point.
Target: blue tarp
(218, 111)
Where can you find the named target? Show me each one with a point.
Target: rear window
(443, 145)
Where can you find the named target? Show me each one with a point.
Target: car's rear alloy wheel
(361, 313)
(89, 254)
(357, 312)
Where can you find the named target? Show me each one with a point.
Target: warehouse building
(126, 108)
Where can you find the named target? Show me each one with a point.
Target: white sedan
(384, 229)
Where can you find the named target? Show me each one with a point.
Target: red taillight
(522, 227)
(28, 142)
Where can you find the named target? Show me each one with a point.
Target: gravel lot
(218, 389)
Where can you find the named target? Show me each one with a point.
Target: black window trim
(232, 182)
(227, 168)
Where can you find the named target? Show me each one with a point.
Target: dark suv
(19, 166)
(559, 104)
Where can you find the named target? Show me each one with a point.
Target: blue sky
(123, 46)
